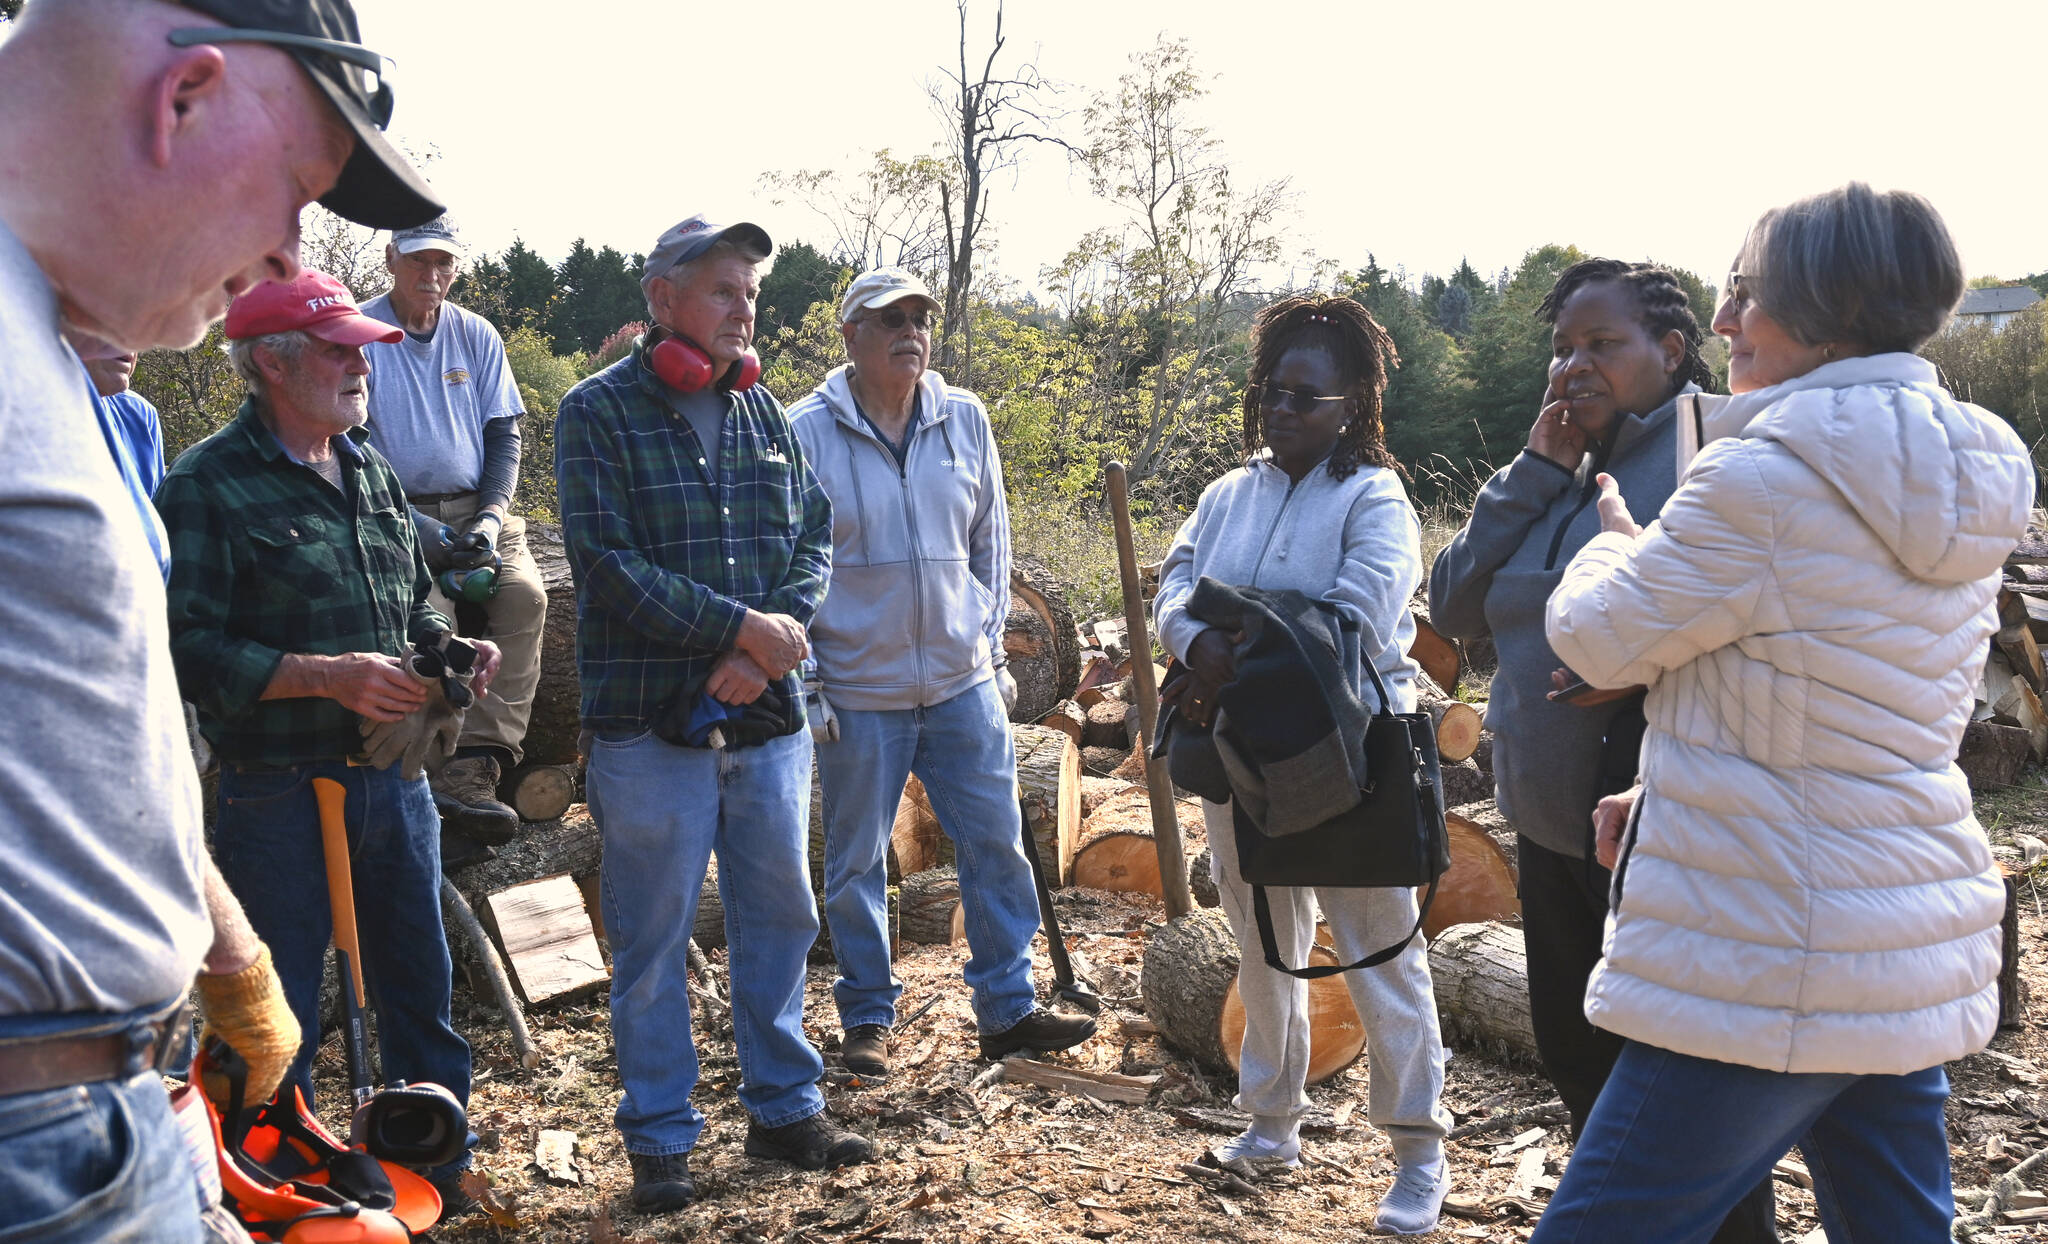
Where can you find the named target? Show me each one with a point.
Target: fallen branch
(1216, 1180)
(459, 910)
(2000, 1196)
(1512, 1121)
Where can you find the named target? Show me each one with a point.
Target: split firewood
(916, 842)
(1994, 756)
(1101, 1085)
(2023, 654)
(2030, 716)
(1439, 657)
(544, 931)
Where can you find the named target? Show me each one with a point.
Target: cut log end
(539, 792)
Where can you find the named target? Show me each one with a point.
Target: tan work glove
(247, 1010)
(422, 739)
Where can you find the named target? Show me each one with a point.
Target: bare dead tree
(990, 115)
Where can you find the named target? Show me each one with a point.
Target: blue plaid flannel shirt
(669, 552)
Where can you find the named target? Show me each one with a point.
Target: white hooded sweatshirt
(1806, 888)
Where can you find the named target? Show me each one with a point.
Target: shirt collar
(261, 439)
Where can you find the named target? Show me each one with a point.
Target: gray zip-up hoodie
(1351, 541)
(920, 585)
(1496, 576)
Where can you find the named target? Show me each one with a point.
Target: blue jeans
(102, 1162)
(662, 811)
(962, 753)
(1675, 1141)
(267, 839)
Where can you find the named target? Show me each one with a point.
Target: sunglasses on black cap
(374, 67)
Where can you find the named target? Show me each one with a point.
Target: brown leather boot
(466, 794)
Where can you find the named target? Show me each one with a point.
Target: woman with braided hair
(1625, 343)
(1318, 507)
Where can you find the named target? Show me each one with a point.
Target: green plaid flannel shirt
(668, 553)
(268, 559)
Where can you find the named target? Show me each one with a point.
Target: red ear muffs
(684, 367)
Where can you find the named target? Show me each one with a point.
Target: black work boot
(455, 1200)
(864, 1050)
(1040, 1032)
(466, 795)
(661, 1182)
(810, 1142)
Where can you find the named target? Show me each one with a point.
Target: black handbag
(1394, 837)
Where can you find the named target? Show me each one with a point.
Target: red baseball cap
(314, 303)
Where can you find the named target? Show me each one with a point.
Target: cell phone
(1575, 691)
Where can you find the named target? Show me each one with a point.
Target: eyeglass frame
(379, 104)
(881, 315)
(1737, 296)
(1295, 401)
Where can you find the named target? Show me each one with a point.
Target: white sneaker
(1412, 1205)
(1247, 1145)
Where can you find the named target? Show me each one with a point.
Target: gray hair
(1877, 270)
(683, 273)
(242, 353)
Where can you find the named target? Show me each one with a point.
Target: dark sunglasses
(894, 318)
(374, 68)
(1272, 397)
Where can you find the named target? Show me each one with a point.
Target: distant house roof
(1998, 301)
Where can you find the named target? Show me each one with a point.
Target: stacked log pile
(2008, 730)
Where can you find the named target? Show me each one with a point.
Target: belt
(60, 1060)
(436, 498)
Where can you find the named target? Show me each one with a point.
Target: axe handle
(341, 892)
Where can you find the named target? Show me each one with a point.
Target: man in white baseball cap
(909, 646)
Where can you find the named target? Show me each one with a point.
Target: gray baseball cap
(694, 235)
(438, 234)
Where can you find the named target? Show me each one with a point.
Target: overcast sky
(1422, 132)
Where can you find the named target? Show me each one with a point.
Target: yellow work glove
(247, 1010)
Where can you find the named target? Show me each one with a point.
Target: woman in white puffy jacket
(1806, 914)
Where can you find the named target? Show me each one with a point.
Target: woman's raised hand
(1554, 436)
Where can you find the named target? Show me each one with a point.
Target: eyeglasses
(1737, 292)
(1271, 397)
(894, 318)
(374, 68)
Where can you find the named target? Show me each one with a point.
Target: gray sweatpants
(1404, 1053)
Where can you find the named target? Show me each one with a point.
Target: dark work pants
(1564, 916)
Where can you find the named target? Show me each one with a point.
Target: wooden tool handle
(341, 890)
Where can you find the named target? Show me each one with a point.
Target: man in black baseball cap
(154, 158)
(378, 187)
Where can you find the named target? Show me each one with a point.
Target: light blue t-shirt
(429, 400)
(101, 906)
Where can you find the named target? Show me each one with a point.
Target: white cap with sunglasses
(880, 287)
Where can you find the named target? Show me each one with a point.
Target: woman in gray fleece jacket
(1319, 509)
(1625, 344)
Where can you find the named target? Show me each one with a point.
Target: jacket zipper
(1279, 514)
(1586, 495)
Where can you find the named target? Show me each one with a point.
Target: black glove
(478, 543)
(437, 541)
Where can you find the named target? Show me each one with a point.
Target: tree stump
(1049, 782)
(1482, 989)
(1039, 638)
(539, 792)
(1189, 984)
(557, 721)
(1480, 885)
(930, 906)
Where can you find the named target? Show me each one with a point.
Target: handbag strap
(1263, 912)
